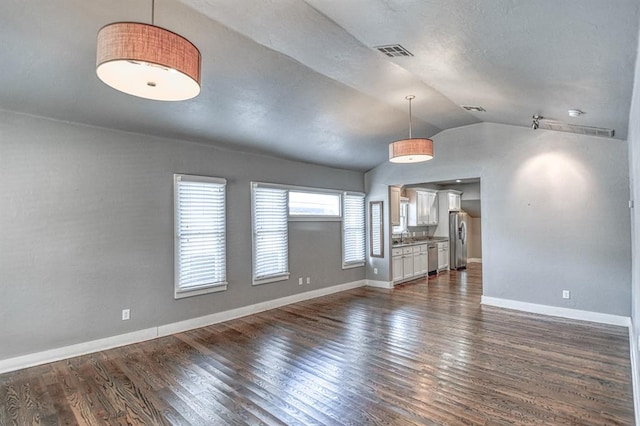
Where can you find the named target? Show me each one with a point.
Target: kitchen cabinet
(407, 263)
(423, 207)
(394, 205)
(421, 264)
(417, 262)
(454, 201)
(396, 265)
(432, 200)
(443, 256)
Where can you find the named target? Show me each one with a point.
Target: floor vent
(393, 50)
(574, 128)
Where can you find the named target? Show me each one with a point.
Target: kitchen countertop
(418, 242)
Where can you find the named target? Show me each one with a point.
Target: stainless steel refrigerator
(457, 240)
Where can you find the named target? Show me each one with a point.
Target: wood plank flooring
(425, 353)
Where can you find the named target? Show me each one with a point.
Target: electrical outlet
(126, 314)
(300, 281)
(566, 294)
(375, 271)
(308, 280)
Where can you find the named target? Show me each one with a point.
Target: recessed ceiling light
(458, 181)
(473, 108)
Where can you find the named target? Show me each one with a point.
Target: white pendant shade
(148, 61)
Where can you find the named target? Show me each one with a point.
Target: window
(404, 206)
(314, 204)
(353, 232)
(270, 234)
(200, 235)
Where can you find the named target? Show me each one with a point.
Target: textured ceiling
(300, 80)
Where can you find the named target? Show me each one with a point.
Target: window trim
(356, 264)
(179, 292)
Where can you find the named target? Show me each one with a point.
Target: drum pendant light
(148, 61)
(412, 150)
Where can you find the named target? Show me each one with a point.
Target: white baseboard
(379, 284)
(190, 324)
(44, 357)
(635, 380)
(557, 311)
(57, 354)
(474, 260)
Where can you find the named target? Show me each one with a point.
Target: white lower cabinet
(424, 260)
(396, 264)
(443, 256)
(409, 262)
(417, 262)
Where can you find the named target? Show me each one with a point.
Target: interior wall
(474, 244)
(634, 180)
(87, 230)
(554, 212)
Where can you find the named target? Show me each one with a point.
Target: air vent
(473, 108)
(393, 50)
(573, 128)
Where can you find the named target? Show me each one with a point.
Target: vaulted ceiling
(302, 80)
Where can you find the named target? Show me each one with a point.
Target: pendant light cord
(410, 98)
(153, 12)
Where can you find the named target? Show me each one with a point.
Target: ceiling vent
(473, 108)
(573, 128)
(393, 50)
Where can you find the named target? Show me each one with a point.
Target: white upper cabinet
(454, 201)
(394, 205)
(423, 207)
(433, 208)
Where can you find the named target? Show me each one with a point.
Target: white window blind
(200, 235)
(270, 234)
(353, 230)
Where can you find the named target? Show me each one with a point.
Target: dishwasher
(432, 255)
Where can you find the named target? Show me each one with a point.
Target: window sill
(271, 279)
(353, 265)
(181, 294)
(314, 218)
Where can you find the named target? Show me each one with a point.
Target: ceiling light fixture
(148, 61)
(575, 113)
(412, 150)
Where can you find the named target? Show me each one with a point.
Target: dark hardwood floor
(425, 353)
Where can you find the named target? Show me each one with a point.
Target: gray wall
(474, 240)
(554, 212)
(86, 229)
(634, 178)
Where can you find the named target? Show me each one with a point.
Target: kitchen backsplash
(416, 233)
